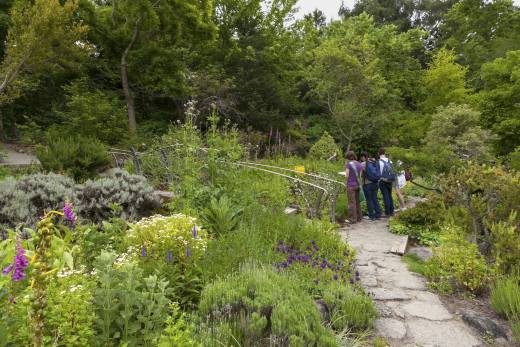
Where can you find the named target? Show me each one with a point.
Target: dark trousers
(374, 211)
(386, 190)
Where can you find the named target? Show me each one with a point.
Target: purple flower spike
(69, 213)
(143, 251)
(7, 270)
(194, 230)
(20, 263)
(335, 277)
(351, 281)
(188, 253)
(169, 257)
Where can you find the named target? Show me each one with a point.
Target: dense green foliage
(377, 75)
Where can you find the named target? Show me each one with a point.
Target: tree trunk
(2, 130)
(132, 124)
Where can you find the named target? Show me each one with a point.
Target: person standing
(388, 177)
(399, 184)
(371, 177)
(353, 172)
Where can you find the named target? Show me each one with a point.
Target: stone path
(410, 316)
(15, 158)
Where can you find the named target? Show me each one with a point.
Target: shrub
(325, 148)
(457, 259)
(505, 238)
(259, 305)
(93, 112)
(122, 195)
(221, 216)
(79, 157)
(171, 246)
(422, 222)
(349, 309)
(24, 201)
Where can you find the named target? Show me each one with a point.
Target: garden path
(410, 315)
(16, 158)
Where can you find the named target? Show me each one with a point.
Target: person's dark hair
(382, 151)
(351, 155)
(363, 154)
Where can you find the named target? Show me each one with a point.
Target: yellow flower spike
(32, 283)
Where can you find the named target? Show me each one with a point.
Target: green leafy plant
(70, 313)
(221, 216)
(78, 156)
(179, 331)
(131, 308)
(460, 260)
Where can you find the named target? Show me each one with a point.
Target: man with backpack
(386, 182)
(371, 177)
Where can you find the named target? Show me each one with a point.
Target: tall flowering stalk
(43, 274)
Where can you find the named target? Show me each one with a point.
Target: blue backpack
(388, 174)
(372, 171)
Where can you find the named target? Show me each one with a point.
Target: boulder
(483, 325)
(424, 253)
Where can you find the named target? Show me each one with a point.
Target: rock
(428, 297)
(291, 211)
(424, 253)
(384, 311)
(164, 196)
(323, 309)
(369, 281)
(390, 328)
(484, 325)
(388, 294)
(452, 333)
(427, 310)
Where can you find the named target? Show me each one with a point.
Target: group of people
(365, 178)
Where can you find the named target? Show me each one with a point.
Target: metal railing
(315, 190)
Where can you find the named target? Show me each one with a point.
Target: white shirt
(382, 159)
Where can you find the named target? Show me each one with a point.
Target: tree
(444, 82)
(43, 35)
(499, 101)
(480, 31)
(361, 73)
(146, 40)
(456, 128)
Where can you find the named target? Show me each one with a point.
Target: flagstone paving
(410, 315)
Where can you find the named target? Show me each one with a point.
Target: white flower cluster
(68, 272)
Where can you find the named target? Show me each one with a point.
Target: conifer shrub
(79, 157)
(259, 306)
(325, 148)
(349, 309)
(121, 195)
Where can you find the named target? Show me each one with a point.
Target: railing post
(137, 163)
(166, 163)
